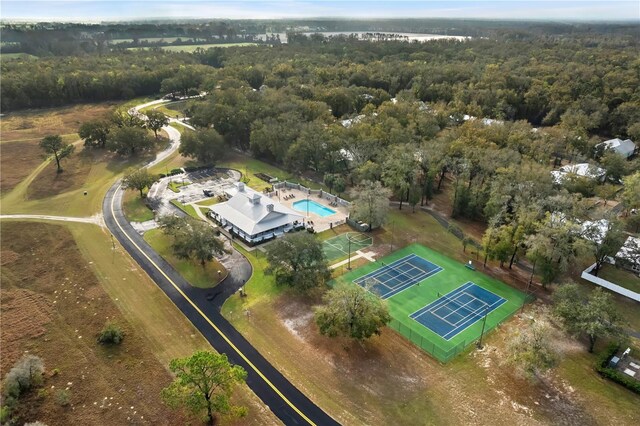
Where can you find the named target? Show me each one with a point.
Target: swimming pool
(313, 207)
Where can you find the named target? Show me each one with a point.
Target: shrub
(62, 397)
(175, 172)
(5, 413)
(111, 334)
(602, 367)
(25, 374)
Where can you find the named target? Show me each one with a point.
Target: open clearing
(388, 380)
(53, 306)
(21, 132)
(192, 47)
(155, 334)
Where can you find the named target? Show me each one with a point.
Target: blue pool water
(313, 207)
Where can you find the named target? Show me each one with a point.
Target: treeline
(62, 81)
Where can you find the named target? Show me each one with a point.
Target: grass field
(5, 56)
(620, 276)
(453, 275)
(249, 167)
(190, 270)
(135, 208)
(53, 305)
(190, 48)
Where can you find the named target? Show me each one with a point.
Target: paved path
(202, 308)
(96, 219)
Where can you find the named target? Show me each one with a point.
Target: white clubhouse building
(253, 216)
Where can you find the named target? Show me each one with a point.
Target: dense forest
(486, 118)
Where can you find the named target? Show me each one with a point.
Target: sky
(87, 10)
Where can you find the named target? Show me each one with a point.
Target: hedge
(602, 367)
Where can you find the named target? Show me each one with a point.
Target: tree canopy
(54, 145)
(297, 261)
(593, 315)
(351, 311)
(204, 384)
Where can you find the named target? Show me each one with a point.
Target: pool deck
(319, 223)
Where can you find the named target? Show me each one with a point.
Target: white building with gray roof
(253, 216)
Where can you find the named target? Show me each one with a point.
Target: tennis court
(435, 301)
(338, 246)
(391, 279)
(457, 310)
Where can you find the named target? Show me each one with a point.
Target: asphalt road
(202, 308)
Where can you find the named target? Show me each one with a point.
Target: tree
(204, 383)
(614, 164)
(399, 170)
(94, 133)
(370, 204)
(631, 191)
(604, 238)
(351, 311)
(594, 315)
(531, 350)
(193, 239)
(156, 121)
(607, 192)
(297, 260)
(54, 145)
(139, 179)
(207, 146)
(129, 140)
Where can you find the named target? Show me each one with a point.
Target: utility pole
(486, 312)
(349, 264)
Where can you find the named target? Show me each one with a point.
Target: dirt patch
(8, 256)
(49, 182)
(24, 316)
(17, 161)
(53, 306)
(35, 124)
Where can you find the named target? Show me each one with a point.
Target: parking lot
(191, 190)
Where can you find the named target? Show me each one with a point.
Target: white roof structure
(252, 212)
(630, 251)
(581, 169)
(626, 148)
(350, 121)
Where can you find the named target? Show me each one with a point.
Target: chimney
(269, 207)
(241, 186)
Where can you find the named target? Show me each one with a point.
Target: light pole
(349, 263)
(486, 312)
(307, 206)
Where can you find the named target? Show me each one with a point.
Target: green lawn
(453, 275)
(191, 271)
(17, 56)
(190, 48)
(250, 166)
(135, 208)
(621, 277)
(187, 208)
(209, 201)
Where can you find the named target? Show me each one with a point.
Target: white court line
(461, 306)
(431, 274)
(471, 313)
(339, 248)
(441, 301)
(490, 309)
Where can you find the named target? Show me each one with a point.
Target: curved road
(202, 308)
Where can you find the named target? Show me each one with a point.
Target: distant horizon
(84, 11)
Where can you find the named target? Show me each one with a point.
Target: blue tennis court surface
(391, 279)
(455, 311)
